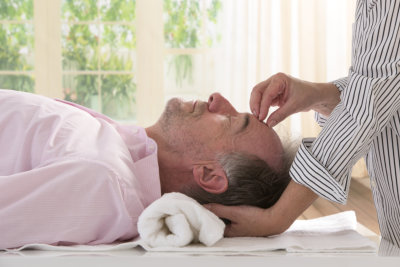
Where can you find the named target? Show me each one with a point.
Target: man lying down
(69, 175)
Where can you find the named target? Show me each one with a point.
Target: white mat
(332, 234)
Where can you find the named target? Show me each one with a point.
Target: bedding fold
(176, 220)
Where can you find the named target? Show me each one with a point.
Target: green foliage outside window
(16, 9)
(98, 46)
(183, 28)
(16, 44)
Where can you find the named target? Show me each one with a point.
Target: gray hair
(251, 181)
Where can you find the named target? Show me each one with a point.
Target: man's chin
(173, 105)
(172, 109)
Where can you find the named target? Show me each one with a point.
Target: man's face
(201, 130)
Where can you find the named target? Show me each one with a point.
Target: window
(17, 41)
(98, 55)
(190, 35)
(87, 51)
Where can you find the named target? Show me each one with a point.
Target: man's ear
(211, 177)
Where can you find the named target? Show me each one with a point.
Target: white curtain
(309, 39)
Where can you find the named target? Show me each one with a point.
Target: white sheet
(335, 233)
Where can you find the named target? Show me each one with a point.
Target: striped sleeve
(325, 164)
(368, 103)
(340, 84)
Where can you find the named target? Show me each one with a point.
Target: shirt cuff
(341, 84)
(320, 119)
(307, 170)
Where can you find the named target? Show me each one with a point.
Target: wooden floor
(359, 200)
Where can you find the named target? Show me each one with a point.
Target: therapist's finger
(230, 231)
(256, 96)
(280, 114)
(271, 95)
(226, 212)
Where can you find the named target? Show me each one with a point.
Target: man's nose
(218, 104)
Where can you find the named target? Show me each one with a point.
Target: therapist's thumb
(279, 115)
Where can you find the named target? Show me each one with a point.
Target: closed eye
(228, 121)
(245, 122)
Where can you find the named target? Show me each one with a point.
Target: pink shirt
(69, 175)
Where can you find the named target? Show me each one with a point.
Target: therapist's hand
(248, 221)
(252, 221)
(291, 95)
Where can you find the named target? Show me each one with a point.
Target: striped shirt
(366, 122)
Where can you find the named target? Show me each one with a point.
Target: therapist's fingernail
(254, 112)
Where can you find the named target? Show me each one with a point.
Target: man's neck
(174, 172)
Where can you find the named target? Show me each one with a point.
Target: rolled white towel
(176, 220)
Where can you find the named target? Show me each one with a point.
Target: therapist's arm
(252, 221)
